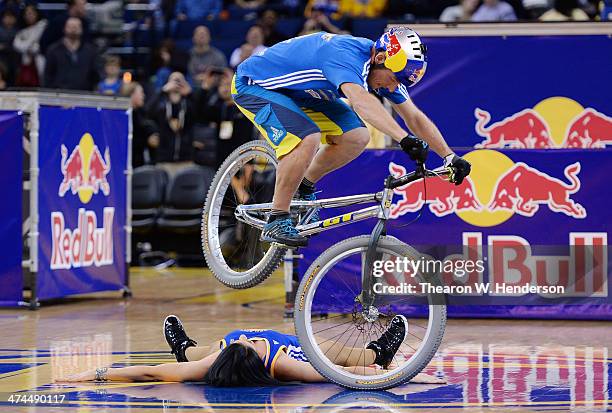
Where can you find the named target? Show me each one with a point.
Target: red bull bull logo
(555, 122)
(443, 197)
(84, 174)
(523, 189)
(525, 129)
(591, 129)
(85, 170)
(496, 189)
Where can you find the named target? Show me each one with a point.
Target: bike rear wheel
(232, 249)
(330, 321)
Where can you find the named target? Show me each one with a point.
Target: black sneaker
(177, 338)
(389, 342)
(283, 231)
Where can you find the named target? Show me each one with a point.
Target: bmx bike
(337, 303)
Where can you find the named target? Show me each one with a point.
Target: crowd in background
(182, 100)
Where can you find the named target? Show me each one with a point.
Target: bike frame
(381, 211)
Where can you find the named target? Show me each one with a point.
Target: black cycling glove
(461, 167)
(415, 148)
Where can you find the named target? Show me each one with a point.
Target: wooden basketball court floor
(489, 365)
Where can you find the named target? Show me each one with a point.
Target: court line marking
(418, 405)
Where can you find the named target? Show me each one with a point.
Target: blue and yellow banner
(529, 217)
(82, 200)
(533, 92)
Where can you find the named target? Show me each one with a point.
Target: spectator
(459, 13)
(250, 4)
(319, 21)
(564, 10)
(145, 138)
(8, 29)
(172, 110)
(111, 84)
(54, 30)
(224, 123)
(362, 8)
(27, 44)
(267, 22)
(327, 7)
(254, 45)
(534, 8)
(197, 9)
(167, 59)
(494, 10)
(71, 62)
(3, 75)
(203, 56)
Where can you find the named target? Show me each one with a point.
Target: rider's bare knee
(361, 138)
(311, 142)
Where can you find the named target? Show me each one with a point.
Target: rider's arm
(372, 111)
(422, 126)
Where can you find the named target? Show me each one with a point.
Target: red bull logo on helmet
(555, 122)
(84, 172)
(497, 189)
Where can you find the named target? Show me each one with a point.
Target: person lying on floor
(255, 358)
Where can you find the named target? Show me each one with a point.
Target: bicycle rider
(292, 92)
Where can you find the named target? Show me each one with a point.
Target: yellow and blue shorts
(285, 121)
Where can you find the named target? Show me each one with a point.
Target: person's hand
(184, 88)
(153, 140)
(415, 148)
(309, 25)
(322, 19)
(461, 167)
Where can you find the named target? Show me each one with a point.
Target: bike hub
(370, 314)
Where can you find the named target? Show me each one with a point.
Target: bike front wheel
(233, 249)
(334, 327)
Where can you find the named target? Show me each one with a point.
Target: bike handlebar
(420, 172)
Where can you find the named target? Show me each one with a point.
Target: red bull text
(511, 262)
(84, 246)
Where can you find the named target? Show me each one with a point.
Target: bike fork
(367, 275)
(367, 295)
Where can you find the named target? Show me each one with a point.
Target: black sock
(276, 214)
(306, 187)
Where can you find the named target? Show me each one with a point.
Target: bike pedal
(288, 247)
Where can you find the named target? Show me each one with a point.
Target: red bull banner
(82, 200)
(11, 277)
(511, 92)
(533, 224)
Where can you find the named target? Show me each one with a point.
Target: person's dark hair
(237, 366)
(565, 7)
(33, 7)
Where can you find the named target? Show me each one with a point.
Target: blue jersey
(315, 65)
(275, 343)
